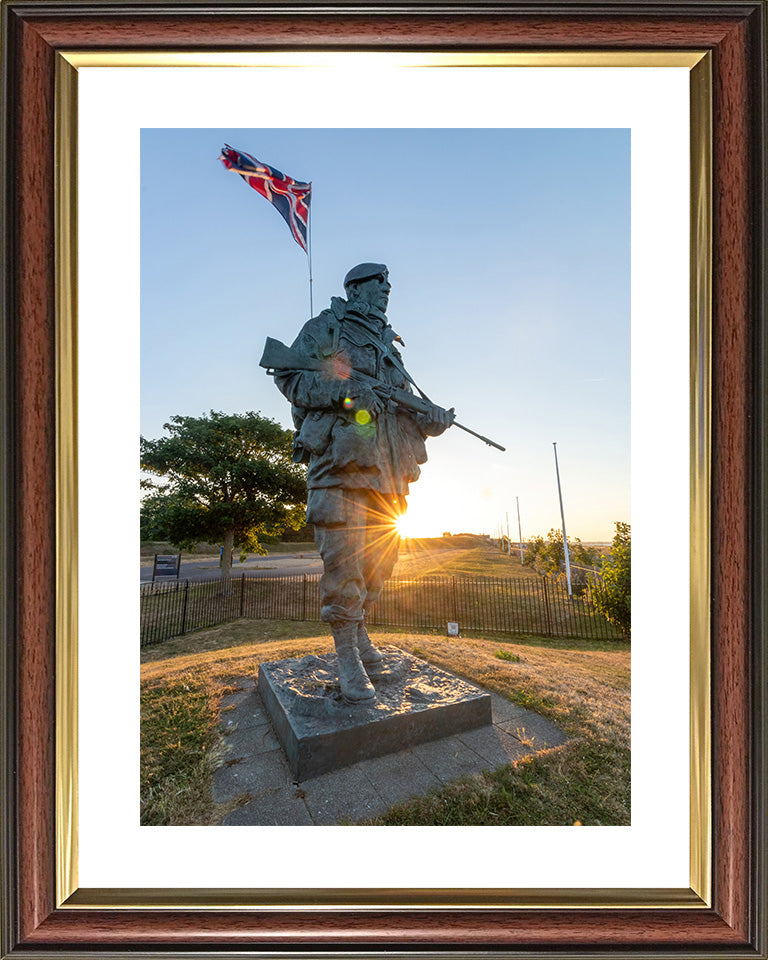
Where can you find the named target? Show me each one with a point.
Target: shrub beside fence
(510, 606)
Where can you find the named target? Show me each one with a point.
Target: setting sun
(404, 526)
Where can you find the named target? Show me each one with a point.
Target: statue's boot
(353, 680)
(371, 657)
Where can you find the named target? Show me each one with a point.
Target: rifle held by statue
(278, 358)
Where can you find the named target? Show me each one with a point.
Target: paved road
(280, 565)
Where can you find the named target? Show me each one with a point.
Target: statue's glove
(438, 421)
(358, 396)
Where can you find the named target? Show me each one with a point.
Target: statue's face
(374, 291)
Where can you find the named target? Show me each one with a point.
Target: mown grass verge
(464, 555)
(583, 687)
(583, 782)
(179, 735)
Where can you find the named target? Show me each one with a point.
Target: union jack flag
(290, 197)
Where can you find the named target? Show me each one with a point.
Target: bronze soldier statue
(361, 430)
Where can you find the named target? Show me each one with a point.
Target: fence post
(304, 597)
(184, 609)
(242, 594)
(455, 600)
(547, 613)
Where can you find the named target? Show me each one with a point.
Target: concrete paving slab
(450, 759)
(494, 746)
(259, 774)
(539, 732)
(249, 712)
(245, 685)
(514, 749)
(278, 808)
(503, 709)
(400, 776)
(248, 741)
(342, 795)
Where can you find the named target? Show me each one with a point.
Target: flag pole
(562, 517)
(309, 248)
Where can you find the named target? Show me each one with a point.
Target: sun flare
(404, 526)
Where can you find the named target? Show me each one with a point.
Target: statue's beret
(364, 271)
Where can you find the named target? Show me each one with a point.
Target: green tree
(612, 594)
(582, 554)
(547, 558)
(228, 479)
(533, 547)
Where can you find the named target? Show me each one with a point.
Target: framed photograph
(685, 85)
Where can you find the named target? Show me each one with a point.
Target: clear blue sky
(509, 258)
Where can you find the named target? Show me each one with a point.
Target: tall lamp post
(565, 538)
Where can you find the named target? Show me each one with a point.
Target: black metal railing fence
(539, 607)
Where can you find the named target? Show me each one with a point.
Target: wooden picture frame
(35, 923)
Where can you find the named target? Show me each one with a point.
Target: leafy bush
(612, 595)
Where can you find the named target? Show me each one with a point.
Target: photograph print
(385, 476)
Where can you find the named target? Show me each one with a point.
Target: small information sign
(167, 566)
(453, 628)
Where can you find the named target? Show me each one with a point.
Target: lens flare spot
(363, 417)
(348, 403)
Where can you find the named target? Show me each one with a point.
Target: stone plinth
(415, 702)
